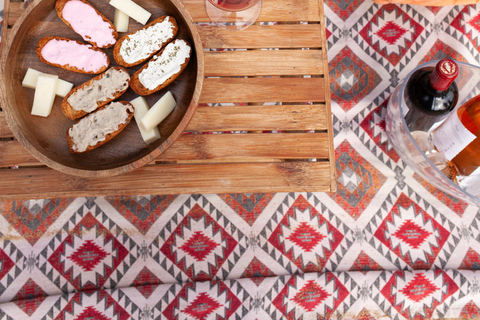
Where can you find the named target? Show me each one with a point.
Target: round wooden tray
(45, 137)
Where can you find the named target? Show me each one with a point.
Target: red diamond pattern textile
(305, 237)
(6, 264)
(202, 306)
(145, 282)
(411, 234)
(29, 297)
(391, 32)
(470, 311)
(88, 255)
(407, 291)
(188, 249)
(91, 313)
(199, 246)
(248, 206)
(471, 261)
(364, 263)
(141, 211)
(301, 237)
(203, 300)
(386, 245)
(92, 305)
(257, 271)
(310, 296)
(419, 288)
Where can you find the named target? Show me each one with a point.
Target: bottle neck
(429, 87)
(443, 74)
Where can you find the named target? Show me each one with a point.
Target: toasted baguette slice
(72, 55)
(96, 92)
(139, 46)
(99, 127)
(162, 69)
(88, 22)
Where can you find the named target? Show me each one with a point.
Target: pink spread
(69, 52)
(88, 23)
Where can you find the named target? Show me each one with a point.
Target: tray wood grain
(276, 121)
(45, 137)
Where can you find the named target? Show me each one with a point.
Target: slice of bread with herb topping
(139, 46)
(162, 69)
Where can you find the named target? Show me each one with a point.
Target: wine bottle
(458, 138)
(431, 93)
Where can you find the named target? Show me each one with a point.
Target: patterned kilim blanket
(386, 245)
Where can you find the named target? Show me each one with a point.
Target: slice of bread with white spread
(139, 46)
(162, 69)
(96, 92)
(99, 127)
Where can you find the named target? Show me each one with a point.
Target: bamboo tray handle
(432, 3)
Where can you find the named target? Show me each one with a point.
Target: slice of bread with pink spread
(72, 55)
(87, 21)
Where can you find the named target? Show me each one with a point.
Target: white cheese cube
(120, 21)
(158, 112)
(44, 95)
(141, 108)
(132, 9)
(30, 81)
(63, 88)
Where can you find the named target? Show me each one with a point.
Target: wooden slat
(218, 90)
(12, 153)
(170, 179)
(285, 117)
(272, 10)
(263, 63)
(244, 118)
(218, 147)
(263, 36)
(254, 37)
(4, 129)
(259, 62)
(248, 147)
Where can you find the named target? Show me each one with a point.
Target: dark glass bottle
(430, 94)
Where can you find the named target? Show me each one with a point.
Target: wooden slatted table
(285, 90)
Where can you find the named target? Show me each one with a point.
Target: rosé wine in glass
(233, 14)
(234, 5)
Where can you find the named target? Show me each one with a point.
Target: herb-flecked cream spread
(95, 127)
(143, 43)
(165, 65)
(101, 90)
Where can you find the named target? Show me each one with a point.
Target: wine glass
(233, 14)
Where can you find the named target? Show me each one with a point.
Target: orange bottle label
(452, 136)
